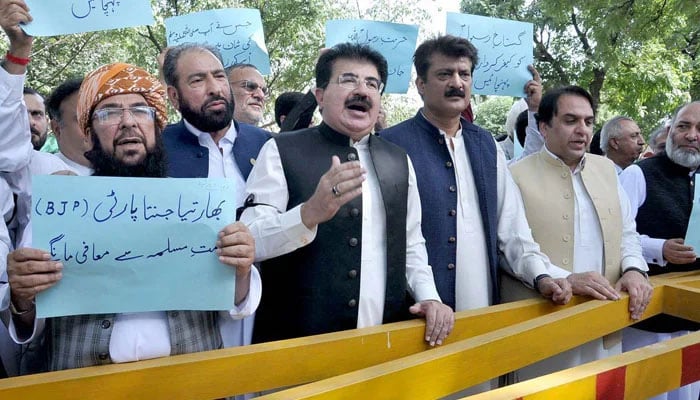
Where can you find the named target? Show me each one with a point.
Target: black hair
(59, 94)
(448, 45)
(549, 106)
(348, 51)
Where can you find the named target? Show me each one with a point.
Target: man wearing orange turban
(122, 108)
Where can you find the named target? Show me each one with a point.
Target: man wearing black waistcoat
(340, 242)
(661, 190)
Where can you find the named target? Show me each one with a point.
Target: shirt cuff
(38, 328)
(425, 294)
(297, 231)
(251, 302)
(633, 262)
(653, 250)
(541, 269)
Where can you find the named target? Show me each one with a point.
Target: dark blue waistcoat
(437, 185)
(187, 159)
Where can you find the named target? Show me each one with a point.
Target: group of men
(352, 229)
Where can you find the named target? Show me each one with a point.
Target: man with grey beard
(664, 185)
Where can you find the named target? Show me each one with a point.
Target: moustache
(359, 101)
(214, 98)
(128, 133)
(34, 131)
(455, 92)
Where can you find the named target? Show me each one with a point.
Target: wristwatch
(635, 269)
(15, 311)
(537, 280)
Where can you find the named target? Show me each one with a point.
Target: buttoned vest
(665, 215)
(83, 340)
(546, 185)
(315, 289)
(437, 185)
(187, 159)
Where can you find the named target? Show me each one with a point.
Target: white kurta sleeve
(635, 186)
(631, 251)
(15, 137)
(275, 230)
(419, 274)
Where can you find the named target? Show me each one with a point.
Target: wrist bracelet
(16, 60)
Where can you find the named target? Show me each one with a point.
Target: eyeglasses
(113, 115)
(251, 86)
(352, 81)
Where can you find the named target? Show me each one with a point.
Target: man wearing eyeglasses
(122, 108)
(249, 93)
(335, 215)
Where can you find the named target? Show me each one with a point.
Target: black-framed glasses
(352, 81)
(114, 115)
(251, 86)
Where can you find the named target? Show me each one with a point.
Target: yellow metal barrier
(389, 361)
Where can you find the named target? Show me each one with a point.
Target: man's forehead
(349, 66)
(574, 105)
(120, 100)
(246, 73)
(689, 113)
(198, 59)
(441, 60)
(34, 98)
(630, 125)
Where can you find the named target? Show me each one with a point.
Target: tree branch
(581, 35)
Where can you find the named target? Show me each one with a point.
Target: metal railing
(392, 361)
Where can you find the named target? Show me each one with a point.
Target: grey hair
(611, 130)
(174, 54)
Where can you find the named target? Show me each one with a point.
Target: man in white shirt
(472, 210)
(581, 217)
(208, 142)
(123, 108)
(340, 242)
(621, 141)
(72, 143)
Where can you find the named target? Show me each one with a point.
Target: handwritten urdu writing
(62, 17)
(505, 51)
(396, 42)
(236, 32)
(133, 244)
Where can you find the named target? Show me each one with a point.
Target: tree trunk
(597, 85)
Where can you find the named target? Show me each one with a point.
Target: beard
(687, 158)
(208, 120)
(106, 164)
(38, 139)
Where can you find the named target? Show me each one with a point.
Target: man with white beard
(664, 186)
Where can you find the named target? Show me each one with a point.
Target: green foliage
(637, 58)
(491, 113)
